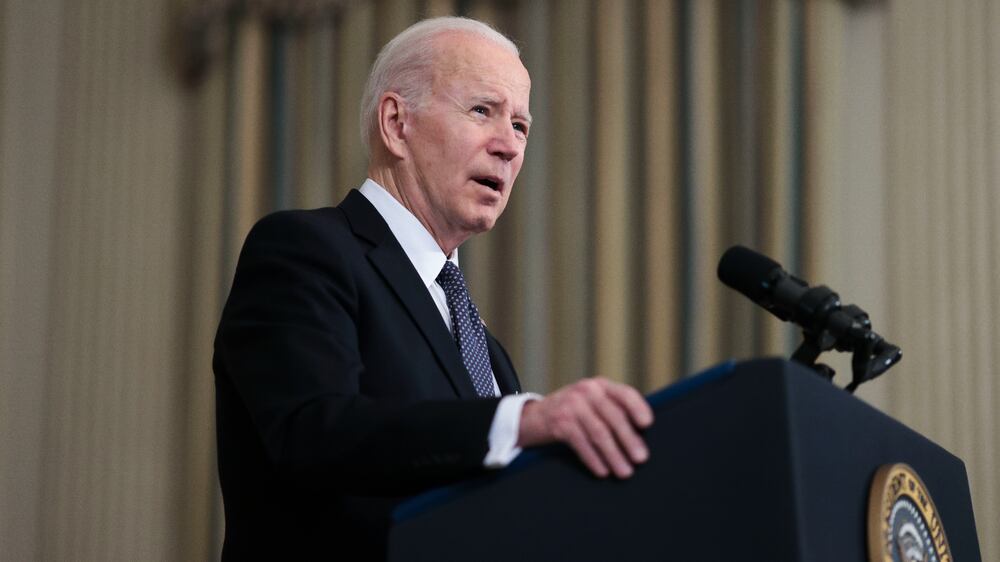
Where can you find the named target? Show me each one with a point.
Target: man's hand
(598, 418)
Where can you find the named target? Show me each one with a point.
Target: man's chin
(485, 218)
(485, 225)
(482, 223)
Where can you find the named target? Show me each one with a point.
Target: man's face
(467, 139)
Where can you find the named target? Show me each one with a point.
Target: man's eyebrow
(494, 102)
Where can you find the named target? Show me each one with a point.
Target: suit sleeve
(287, 359)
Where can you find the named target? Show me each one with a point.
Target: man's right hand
(598, 418)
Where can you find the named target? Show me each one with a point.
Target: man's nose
(505, 143)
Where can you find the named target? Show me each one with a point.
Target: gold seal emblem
(903, 523)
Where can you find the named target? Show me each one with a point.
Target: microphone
(763, 281)
(827, 324)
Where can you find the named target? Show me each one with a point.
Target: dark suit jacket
(339, 389)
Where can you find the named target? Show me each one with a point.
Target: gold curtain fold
(660, 205)
(614, 186)
(569, 183)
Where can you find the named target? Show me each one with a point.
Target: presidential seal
(903, 524)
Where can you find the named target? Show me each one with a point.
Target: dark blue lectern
(762, 460)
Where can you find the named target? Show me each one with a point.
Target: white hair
(405, 65)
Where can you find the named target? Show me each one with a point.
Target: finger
(577, 440)
(633, 403)
(617, 420)
(603, 440)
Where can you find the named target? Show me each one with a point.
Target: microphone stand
(846, 328)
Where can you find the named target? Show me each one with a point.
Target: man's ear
(392, 116)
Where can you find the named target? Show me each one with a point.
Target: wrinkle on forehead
(477, 60)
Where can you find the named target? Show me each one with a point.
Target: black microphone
(818, 310)
(763, 281)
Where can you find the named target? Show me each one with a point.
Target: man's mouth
(489, 181)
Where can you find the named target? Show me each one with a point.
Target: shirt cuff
(504, 430)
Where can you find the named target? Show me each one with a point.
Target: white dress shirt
(428, 259)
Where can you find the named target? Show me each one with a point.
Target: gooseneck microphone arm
(825, 322)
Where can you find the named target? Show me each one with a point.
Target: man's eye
(521, 128)
(481, 109)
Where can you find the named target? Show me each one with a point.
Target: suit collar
(389, 259)
(364, 219)
(417, 242)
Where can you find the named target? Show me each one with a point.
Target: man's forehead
(481, 64)
(456, 51)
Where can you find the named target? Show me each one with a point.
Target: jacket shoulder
(300, 223)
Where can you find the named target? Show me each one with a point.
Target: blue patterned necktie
(467, 329)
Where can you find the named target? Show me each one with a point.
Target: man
(351, 367)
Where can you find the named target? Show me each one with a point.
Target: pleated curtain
(856, 142)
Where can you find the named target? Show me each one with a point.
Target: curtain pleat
(435, 8)
(739, 152)
(614, 187)
(779, 93)
(705, 212)
(393, 16)
(249, 192)
(313, 99)
(988, 403)
(661, 244)
(355, 51)
(569, 112)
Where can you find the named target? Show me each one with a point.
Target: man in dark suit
(351, 367)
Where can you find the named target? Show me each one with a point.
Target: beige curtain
(93, 292)
(943, 180)
(855, 142)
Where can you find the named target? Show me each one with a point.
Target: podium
(760, 460)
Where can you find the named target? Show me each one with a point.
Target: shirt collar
(418, 244)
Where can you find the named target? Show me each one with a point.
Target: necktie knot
(467, 329)
(451, 279)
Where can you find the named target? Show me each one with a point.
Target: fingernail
(640, 454)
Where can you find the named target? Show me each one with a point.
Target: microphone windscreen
(747, 271)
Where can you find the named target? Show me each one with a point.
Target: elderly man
(351, 367)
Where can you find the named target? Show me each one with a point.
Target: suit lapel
(503, 369)
(388, 257)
